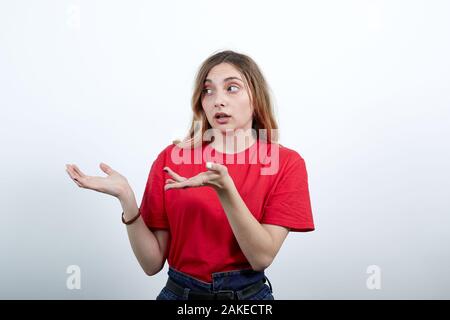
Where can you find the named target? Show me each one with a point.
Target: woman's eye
(207, 92)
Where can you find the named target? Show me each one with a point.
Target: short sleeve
(289, 204)
(152, 206)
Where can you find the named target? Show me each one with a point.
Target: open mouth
(221, 115)
(222, 118)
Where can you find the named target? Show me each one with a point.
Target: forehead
(222, 71)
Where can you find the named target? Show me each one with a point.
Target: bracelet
(132, 220)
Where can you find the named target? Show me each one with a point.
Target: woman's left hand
(217, 177)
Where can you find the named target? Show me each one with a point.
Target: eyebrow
(226, 79)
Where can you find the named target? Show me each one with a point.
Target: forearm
(143, 241)
(255, 242)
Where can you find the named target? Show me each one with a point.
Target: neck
(234, 142)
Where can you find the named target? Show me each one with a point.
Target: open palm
(216, 176)
(113, 184)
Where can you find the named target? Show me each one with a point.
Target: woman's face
(224, 92)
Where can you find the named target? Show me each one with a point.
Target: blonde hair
(263, 117)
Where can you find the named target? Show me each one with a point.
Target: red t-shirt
(274, 188)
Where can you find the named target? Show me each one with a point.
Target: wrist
(128, 203)
(129, 221)
(126, 196)
(227, 186)
(129, 210)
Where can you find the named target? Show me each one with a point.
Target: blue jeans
(228, 280)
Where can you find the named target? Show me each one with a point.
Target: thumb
(213, 166)
(105, 168)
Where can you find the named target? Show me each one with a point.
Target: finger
(197, 181)
(72, 172)
(77, 170)
(178, 185)
(174, 175)
(70, 176)
(106, 169)
(79, 184)
(217, 167)
(77, 178)
(74, 179)
(170, 181)
(68, 171)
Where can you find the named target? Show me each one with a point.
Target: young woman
(219, 204)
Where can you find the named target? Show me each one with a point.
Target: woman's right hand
(114, 184)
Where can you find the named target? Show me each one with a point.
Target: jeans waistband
(228, 280)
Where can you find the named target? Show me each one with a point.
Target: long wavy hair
(263, 117)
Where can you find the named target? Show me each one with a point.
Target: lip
(221, 114)
(222, 120)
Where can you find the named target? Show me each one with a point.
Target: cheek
(245, 106)
(204, 104)
(207, 110)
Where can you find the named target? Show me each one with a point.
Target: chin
(223, 127)
(226, 128)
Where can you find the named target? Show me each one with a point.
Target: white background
(361, 91)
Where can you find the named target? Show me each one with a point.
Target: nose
(219, 100)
